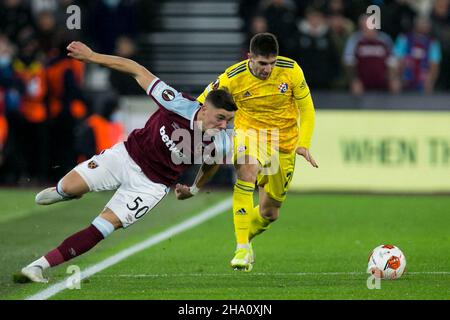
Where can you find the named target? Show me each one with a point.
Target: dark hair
(264, 44)
(221, 99)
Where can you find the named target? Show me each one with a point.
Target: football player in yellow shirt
(274, 123)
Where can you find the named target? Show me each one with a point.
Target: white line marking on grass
(153, 240)
(233, 274)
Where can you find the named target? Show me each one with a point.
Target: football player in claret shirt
(274, 123)
(142, 168)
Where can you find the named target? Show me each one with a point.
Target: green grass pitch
(318, 249)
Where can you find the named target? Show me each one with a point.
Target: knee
(247, 173)
(64, 187)
(73, 185)
(112, 218)
(270, 213)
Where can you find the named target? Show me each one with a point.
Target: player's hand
(182, 192)
(80, 51)
(304, 152)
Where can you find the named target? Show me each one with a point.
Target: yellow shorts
(277, 168)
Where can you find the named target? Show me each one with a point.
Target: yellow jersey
(270, 103)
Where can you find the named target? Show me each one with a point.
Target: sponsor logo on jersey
(241, 211)
(92, 164)
(283, 87)
(168, 95)
(169, 143)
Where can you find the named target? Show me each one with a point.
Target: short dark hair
(221, 99)
(264, 44)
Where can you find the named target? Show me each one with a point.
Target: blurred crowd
(337, 50)
(48, 122)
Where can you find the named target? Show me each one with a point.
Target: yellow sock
(257, 223)
(242, 207)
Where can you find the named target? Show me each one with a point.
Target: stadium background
(386, 140)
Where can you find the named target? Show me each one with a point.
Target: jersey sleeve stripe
(303, 96)
(236, 71)
(284, 65)
(152, 85)
(283, 60)
(287, 67)
(237, 67)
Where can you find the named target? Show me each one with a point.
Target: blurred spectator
(422, 7)
(398, 17)
(110, 19)
(39, 6)
(14, 16)
(25, 90)
(281, 21)
(258, 25)
(340, 30)
(317, 54)
(121, 82)
(46, 30)
(369, 61)
(6, 53)
(419, 56)
(247, 10)
(56, 7)
(66, 106)
(13, 164)
(99, 131)
(31, 73)
(335, 7)
(440, 17)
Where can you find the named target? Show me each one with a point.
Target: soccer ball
(386, 262)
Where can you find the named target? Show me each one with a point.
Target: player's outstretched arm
(206, 172)
(82, 52)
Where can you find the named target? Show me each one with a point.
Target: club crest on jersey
(247, 94)
(168, 95)
(92, 164)
(283, 87)
(241, 149)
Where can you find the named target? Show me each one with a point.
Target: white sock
(41, 262)
(245, 246)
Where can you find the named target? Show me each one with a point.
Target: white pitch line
(275, 274)
(183, 226)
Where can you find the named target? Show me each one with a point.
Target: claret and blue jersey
(166, 146)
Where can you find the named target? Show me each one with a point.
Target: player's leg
(72, 186)
(264, 214)
(242, 206)
(73, 246)
(135, 196)
(102, 172)
(272, 193)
